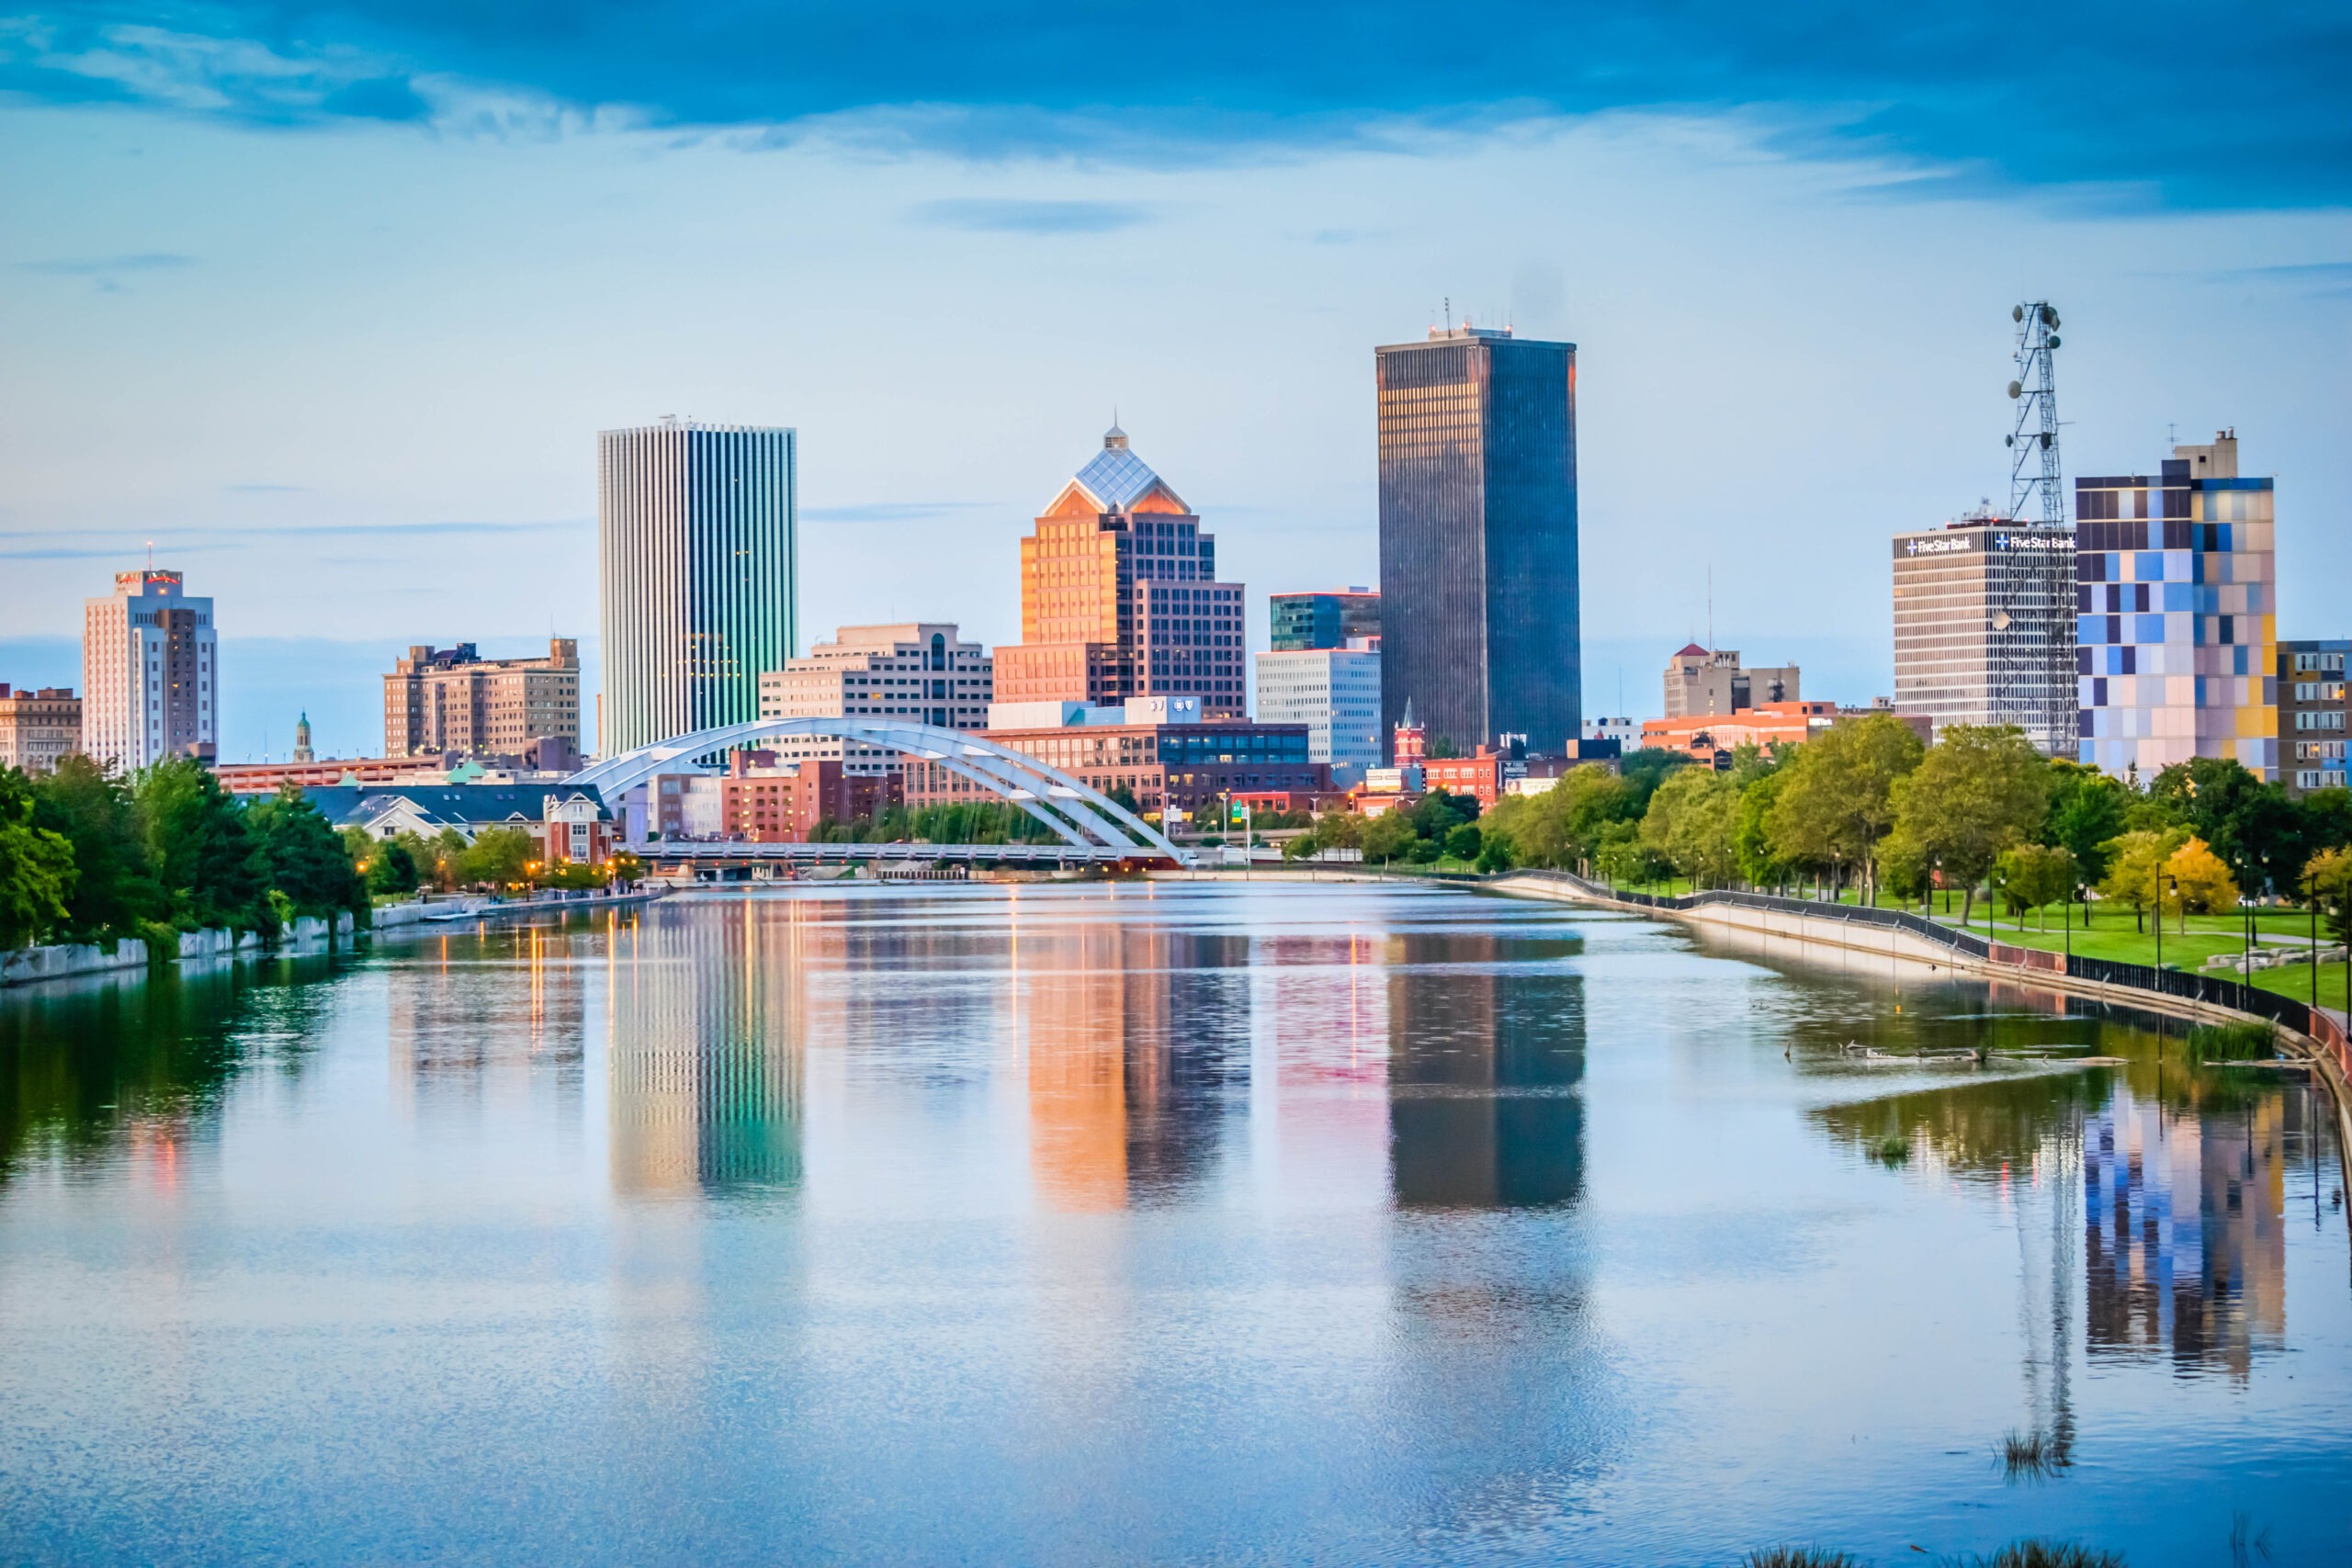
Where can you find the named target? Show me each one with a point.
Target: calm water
(1158, 1224)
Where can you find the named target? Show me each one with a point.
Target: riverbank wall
(69, 960)
(2308, 1033)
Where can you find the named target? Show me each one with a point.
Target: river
(1147, 1222)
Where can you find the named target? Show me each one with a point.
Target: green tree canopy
(1690, 822)
(305, 859)
(1836, 800)
(114, 887)
(2086, 810)
(1980, 789)
(203, 853)
(37, 872)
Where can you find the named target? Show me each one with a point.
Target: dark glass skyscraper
(1479, 621)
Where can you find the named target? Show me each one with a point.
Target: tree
(37, 871)
(2087, 811)
(1645, 770)
(2249, 824)
(302, 857)
(1751, 834)
(2034, 876)
(1463, 843)
(1444, 746)
(114, 887)
(1837, 801)
(500, 856)
(1563, 825)
(2135, 865)
(2195, 878)
(1689, 823)
(1979, 790)
(1495, 856)
(203, 853)
(1386, 837)
(393, 869)
(2327, 877)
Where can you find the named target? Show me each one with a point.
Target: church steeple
(302, 739)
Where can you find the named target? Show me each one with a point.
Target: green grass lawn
(2112, 934)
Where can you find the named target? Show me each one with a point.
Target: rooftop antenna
(1449, 312)
(2035, 391)
(1711, 606)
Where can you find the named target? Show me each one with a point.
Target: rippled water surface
(1161, 1222)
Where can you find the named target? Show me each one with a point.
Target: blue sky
(329, 301)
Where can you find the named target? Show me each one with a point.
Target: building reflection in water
(462, 1035)
(707, 1029)
(2179, 1221)
(1485, 1054)
(1134, 1035)
(2184, 1208)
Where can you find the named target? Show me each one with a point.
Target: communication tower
(2033, 444)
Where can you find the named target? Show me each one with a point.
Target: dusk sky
(329, 301)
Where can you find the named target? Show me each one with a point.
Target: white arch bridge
(1091, 825)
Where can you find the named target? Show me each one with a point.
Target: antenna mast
(2035, 391)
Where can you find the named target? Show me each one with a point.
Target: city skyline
(935, 313)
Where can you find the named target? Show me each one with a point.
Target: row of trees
(1867, 804)
(86, 856)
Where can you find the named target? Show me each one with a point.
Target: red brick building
(761, 802)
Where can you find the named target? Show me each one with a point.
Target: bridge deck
(729, 853)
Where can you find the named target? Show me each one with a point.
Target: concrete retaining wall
(24, 965)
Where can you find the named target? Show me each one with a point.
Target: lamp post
(2311, 897)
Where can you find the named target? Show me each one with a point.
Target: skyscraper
(1479, 622)
(1985, 627)
(150, 673)
(1119, 596)
(697, 543)
(2176, 602)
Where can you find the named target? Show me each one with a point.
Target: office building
(1702, 681)
(697, 529)
(150, 673)
(38, 727)
(2313, 712)
(452, 702)
(2177, 647)
(1479, 627)
(1163, 752)
(1119, 597)
(1625, 732)
(920, 673)
(1335, 692)
(1333, 619)
(765, 801)
(1985, 627)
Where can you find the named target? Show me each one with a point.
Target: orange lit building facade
(1709, 738)
(1119, 597)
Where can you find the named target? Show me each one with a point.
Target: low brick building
(761, 802)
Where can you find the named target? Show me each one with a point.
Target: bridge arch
(1080, 816)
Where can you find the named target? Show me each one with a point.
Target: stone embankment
(67, 961)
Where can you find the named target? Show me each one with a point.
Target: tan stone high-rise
(444, 700)
(1119, 597)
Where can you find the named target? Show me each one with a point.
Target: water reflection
(707, 1021)
(2184, 1209)
(1483, 1065)
(464, 1035)
(134, 1063)
(2183, 1176)
(1137, 1038)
